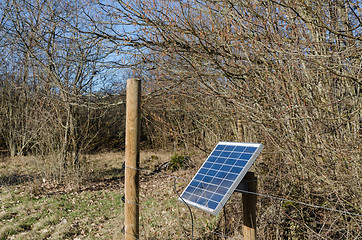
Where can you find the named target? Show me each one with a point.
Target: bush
(179, 161)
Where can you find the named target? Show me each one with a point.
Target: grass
(60, 216)
(32, 209)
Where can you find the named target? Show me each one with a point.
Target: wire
(153, 172)
(264, 195)
(175, 177)
(130, 234)
(180, 220)
(242, 191)
(298, 202)
(225, 226)
(192, 219)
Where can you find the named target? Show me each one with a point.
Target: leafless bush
(288, 71)
(48, 103)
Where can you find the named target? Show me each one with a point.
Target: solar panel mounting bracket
(243, 186)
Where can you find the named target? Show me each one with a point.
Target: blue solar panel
(220, 174)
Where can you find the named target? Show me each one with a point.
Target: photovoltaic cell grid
(220, 174)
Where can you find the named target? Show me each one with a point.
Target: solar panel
(219, 175)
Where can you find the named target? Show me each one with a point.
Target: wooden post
(133, 128)
(239, 126)
(249, 207)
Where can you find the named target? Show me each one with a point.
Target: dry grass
(33, 209)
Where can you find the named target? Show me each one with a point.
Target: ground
(33, 207)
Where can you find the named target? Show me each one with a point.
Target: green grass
(63, 216)
(30, 210)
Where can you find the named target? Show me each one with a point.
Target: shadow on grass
(105, 179)
(15, 179)
(107, 174)
(114, 172)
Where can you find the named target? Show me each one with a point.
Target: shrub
(179, 161)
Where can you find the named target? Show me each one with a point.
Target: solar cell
(220, 174)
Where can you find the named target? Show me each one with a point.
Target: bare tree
(59, 72)
(290, 71)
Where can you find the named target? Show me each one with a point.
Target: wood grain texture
(249, 207)
(132, 156)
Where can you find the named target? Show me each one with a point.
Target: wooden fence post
(240, 130)
(249, 200)
(132, 155)
(249, 207)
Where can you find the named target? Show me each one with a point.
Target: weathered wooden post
(249, 200)
(133, 128)
(249, 207)
(240, 129)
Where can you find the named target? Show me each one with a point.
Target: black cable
(265, 195)
(225, 227)
(192, 218)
